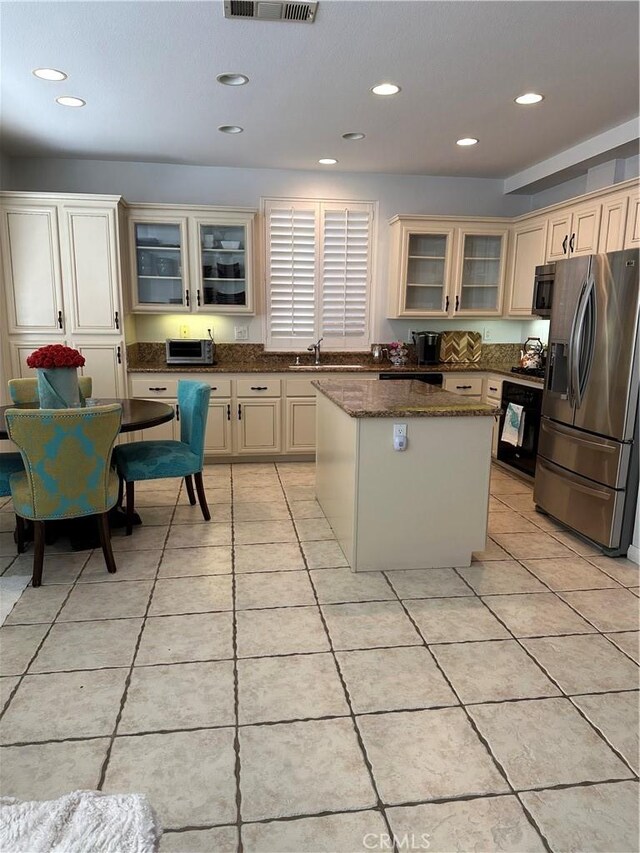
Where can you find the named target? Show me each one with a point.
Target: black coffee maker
(427, 347)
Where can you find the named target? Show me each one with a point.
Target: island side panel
(425, 507)
(336, 474)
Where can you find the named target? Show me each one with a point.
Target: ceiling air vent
(271, 10)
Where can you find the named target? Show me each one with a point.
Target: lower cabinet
(300, 425)
(257, 426)
(467, 384)
(104, 364)
(217, 440)
(169, 431)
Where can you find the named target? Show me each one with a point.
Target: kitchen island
(424, 507)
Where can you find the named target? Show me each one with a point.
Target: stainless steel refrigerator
(587, 467)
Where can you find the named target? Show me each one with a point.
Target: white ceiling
(147, 71)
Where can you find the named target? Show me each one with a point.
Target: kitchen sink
(326, 366)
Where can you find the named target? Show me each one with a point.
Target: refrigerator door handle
(581, 366)
(555, 428)
(581, 487)
(572, 353)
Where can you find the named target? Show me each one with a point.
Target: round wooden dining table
(136, 414)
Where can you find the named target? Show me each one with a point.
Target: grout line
(379, 807)
(236, 678)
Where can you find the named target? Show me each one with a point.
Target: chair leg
(130, 499)
(120, 491)
(105, 541)
(201, 496)
(20, 533)
(38, 552)
(188, 481)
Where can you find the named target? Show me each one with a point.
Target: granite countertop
(277, 366)
(408, 399)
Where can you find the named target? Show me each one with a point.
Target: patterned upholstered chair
(26, 390)
(68, 474)
(155, 460)
(11, 463)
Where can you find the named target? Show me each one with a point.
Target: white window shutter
(346, 274)
(291, 273)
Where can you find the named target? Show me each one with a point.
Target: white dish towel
(513, 427)
(78, 823)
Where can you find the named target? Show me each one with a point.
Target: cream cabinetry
(613, 222)
(573, 232)
(468, 384)
(191, 260)
(632, 235)
(446, 267)
(492, 394)
(63, 281)
(218, 437)
(257, 429)
(526, 252)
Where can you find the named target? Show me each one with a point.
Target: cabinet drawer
(258, 386)
(470, 386)
(153, 387)
(219, 387)
(493, 389)
(300, 388)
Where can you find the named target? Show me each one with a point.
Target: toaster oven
(190, 351)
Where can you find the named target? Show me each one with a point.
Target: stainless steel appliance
(427, 347)
(190, 351)
(523, 456)
(587, 472)
(543, 290)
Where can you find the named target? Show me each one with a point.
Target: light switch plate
(184, 331)
(241, 333)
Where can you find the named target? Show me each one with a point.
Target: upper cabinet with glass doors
(444, 268)
(186, 259)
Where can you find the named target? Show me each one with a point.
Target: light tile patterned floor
(254, 688)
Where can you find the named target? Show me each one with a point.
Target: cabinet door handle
(491, 388)
(463, 387)
(446, 304)
(177, 412)
(186, 297)
(239, 411)
(60, 319)
(573, 237)
(457, 302)
(119, 355)
(198, 296)
(117, 320)
(564, 244)
(213, 387)
(228, 411)
(157, 388)
(259, 387)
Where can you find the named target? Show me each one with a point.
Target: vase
(58, 388)
(398, 360)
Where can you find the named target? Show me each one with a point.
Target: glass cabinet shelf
(223, 264)
(158, 263)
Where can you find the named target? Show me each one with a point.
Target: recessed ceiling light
(386, 89)
(327, 161)
(232, 79)
(230, 128)
(353, 135)
(467, 140)
(68, 101)
(529, 98)
(49, 74)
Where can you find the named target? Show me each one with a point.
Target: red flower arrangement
(55, 355)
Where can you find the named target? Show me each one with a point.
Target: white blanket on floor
(79, 822)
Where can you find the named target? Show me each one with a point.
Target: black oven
(543, 290)
(523, 456)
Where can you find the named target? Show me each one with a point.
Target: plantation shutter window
(346, 248)
(318, 273)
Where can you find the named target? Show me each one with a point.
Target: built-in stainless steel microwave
(190, 351)
(543, 290)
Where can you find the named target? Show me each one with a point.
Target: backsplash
(152, 355)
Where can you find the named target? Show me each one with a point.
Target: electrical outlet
(486, 333)
(400, 437)
(410, 335)
(241, 333)
(184, 331)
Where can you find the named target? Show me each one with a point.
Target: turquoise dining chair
(11, 463)
(156, 460)
(67, 470)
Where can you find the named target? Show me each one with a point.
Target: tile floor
(261, 694)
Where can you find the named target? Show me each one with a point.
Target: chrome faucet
(315, 349)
